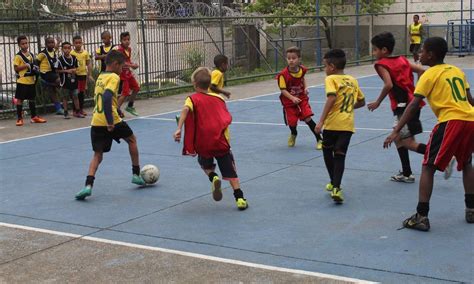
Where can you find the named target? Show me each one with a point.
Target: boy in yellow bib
(416, 31)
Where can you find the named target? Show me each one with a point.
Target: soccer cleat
(242, 203)
(37, 119)
(60, 112)
(449, 169)
(337, 195)
(417, 222)
(216, 188)
(66, 115)
(319, 145)
(470, 215)
(291, 140)
(131, 110)
(86, 191)
(401, 178)
(329, 187)
(136, 179)
(19, 122)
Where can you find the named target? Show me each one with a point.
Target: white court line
(190, 254)
(163, 113)
(277, 101)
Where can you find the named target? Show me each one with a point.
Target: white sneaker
(401, 178)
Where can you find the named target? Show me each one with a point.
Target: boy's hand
(388, 141)
(295, 100)
(318, 127)
(177, 135)
(110, 128)
(373, 105)
(227, 94)
(306, 91)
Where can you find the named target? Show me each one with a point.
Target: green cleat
(86, 191)
(337, 195)
(319, 145)
(329, 187)
(291, 140)
(136, 179)
(131, 110)
(216, 188)
(242, 203)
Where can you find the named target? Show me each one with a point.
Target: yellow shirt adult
(83, 57)
(22, 79)
(217, 78)
(347, 92)
(415, 33)
(444, 86)
(106, 81)
(44, 65)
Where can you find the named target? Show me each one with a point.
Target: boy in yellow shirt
(416, 31)
(221, 63)
(337, 119)
(83, 72)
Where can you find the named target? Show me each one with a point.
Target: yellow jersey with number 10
(106, 81)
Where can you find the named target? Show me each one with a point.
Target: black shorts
(337, 140)
(412, 128)
(25, 92)
(226, 165)
(101, 138)
(415, 48)
(50, 78)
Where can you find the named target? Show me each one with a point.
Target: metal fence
(170, 41)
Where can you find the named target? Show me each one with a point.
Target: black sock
(421, 149)
(90, 181)
(469, 200)
(405, 159)
(423, 208)
(311, 124)
(32, 106)
(19, 111)
(293, 130)
(212, 175)
(329, 161)
(80, 96)
(339, 163)
(238, 193)
(130, 104)
(136, 170)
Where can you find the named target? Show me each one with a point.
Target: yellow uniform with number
(415, 33)
(347, 92)
(44, 65)
(82, 58)
(22, 79)
(106, 81)
(444, 86)
(217, 79)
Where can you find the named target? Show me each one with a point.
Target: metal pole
(406, 28)
(357, 48)
(282, 27)
(222, 25)
(332, 25)
(145, 52)
(318, 35)
(461, 30)
(470, 27)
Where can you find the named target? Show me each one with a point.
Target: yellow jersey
(444, 86)
(21, 78)
(415, 33)
(347, 92)
(82, 58)
(106, 81)
(217, 78)
(103, 50)
(44, 63)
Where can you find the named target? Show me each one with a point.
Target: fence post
(406, 28)
(222, 26)
(145, 53)
(357, 44)
(282, 31)
(318, 35)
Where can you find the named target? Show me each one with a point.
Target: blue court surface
(291, 222)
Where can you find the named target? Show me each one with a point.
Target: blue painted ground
(291, 222)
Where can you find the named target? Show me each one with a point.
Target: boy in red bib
(206, 124)
(294, 96)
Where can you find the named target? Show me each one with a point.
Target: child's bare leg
(235, 183)
(75, 101)
(411, 144)
(95, 162)
(468, 179)
(120, 101)
(425, 190)
(133, 149)
(65, 103)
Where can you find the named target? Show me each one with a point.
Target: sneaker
(319, 145)
(86, 191)
(401, 178)
(37, 119)
(131, 110)
(337, 195)
(470, 215)
(242, 203)
(417, 222)
(291, 140)
(60, 112)
(78, 114)
(19, 122)
(82, 112)
(66, 115)
(216, 188)
(449, 169)
(329, 187)
(136, 179)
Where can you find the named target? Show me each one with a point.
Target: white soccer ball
(150, 174)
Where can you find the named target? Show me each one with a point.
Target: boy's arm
(387, 86)
(89, 69)
(359, 103)
(108, 96)
(417, 69)
(292, 98)
(411, 109)
(217, 90)
(182, 118)
(305, 87)
(330, 101)
(469, 97)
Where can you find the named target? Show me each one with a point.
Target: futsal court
(291, 221)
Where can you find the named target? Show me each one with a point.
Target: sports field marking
(188, 254)
(163, 113)
(278, 101)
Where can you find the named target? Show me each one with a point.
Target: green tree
(292, 8)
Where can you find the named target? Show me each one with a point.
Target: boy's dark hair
(104, 33)
(418, 16)
(48, 38)
(114, 56)
(437, 45)
(20, 38)
(124, 34)
(76, 37)
(220, 59)
(294, 49)
(65, 43)
(337, 57)
(202, 77)
(385, 39)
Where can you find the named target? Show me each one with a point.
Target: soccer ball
(150, 174)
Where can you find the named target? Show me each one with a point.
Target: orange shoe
(19, 122)
(37, 119)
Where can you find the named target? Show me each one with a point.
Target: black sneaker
(66, 115)
(417, 222)
(470, 215)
